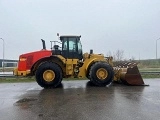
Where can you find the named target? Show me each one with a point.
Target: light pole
(3, 53)
(156, 46)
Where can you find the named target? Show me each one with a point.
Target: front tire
(101, 74)
(48, 75)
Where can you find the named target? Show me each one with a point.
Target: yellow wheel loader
(68, 61)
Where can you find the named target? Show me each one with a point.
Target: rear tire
(49, 75)
(101, 74)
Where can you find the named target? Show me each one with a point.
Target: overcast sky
(105, 25)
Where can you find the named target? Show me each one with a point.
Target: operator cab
(71, 47)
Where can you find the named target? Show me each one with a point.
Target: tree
(109, 54)
(119, 55)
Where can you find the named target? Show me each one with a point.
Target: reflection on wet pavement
(80, 100)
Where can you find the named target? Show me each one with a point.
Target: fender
(92, 61)
(84, 70)
(58, 59)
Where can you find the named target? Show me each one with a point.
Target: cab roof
(70, 36)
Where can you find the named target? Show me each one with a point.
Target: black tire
(49, 66)
(108, 76)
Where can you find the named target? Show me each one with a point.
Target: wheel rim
(102, 74)
(48, 75)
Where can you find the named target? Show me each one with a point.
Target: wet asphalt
(78, 100)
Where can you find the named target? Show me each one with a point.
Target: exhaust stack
(44, 44)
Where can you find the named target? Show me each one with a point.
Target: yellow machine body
(51, 66)
(71, 69)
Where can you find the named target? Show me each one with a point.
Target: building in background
(8, 63)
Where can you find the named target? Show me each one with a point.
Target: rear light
(22, 59)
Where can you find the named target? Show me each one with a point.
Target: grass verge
(32, 79)
(150, 76)
(15, 80)
(27, 79)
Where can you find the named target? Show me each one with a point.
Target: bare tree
(109, 53)
(132, 58)
(119, 55)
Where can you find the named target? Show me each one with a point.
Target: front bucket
(130, 74)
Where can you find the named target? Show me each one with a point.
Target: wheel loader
(66, 60)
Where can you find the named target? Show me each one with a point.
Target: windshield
(72, 44)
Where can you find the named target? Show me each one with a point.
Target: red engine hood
(27, 60)
(41, 53)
